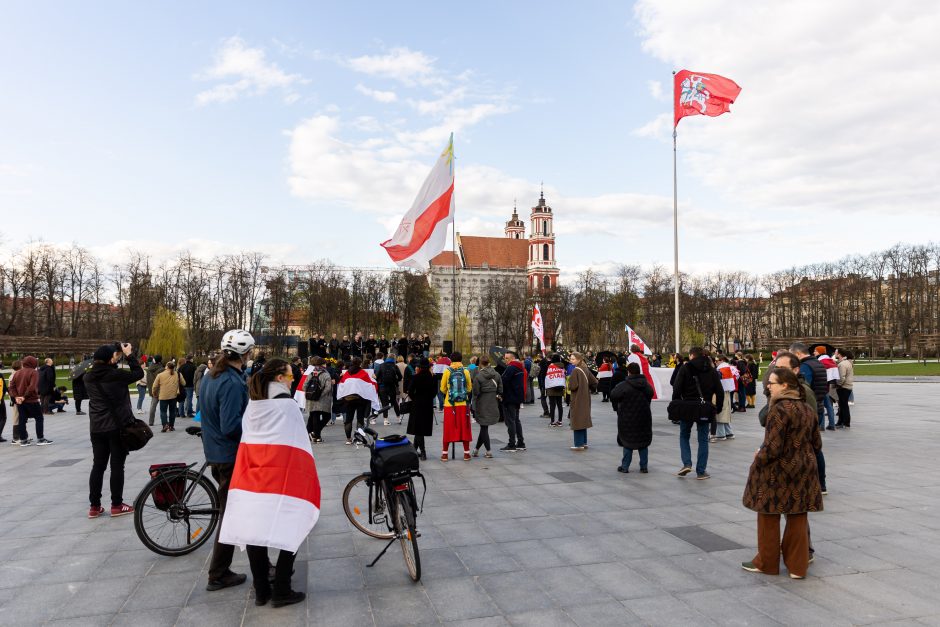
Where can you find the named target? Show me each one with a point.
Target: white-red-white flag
(300, 395)
(360, 384)
(422, 233)
(633, 338)
(538, 327)
(274, 496)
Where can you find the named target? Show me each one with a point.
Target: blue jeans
(742, 397)
(580, 437)
(827, 406)
(186, 405)
(723, 430)
(141, 395)
(685, 447)
(628, 457)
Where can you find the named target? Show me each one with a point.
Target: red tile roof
(494, 252)
(445, 258)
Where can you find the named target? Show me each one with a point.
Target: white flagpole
(675, 224)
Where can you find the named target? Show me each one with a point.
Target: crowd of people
(807, 390)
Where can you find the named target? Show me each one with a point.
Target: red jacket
(26, 381)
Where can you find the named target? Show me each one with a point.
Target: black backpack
(387, 375)
(314, 388)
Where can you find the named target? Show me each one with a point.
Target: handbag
(691, 410)
(134, 435)
(405, 407)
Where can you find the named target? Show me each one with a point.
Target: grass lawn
(899, 370)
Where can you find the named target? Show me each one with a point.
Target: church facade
(526, 262)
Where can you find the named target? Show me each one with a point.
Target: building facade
(525, 264)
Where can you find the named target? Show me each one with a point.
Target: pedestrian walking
(389, 378)
(223, 398)
(358, 392)
(456, 386)
(422, 391)
(487, 390)
(141, 388)
(109, 409)
(696, 384)
(581, 384)
(187, 370)
(783, 479)
(152, 371)
(632, 398)
(166, 389)
(729, 384)
(318, 392)
(24, 389)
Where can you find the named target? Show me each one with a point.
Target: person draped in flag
(274, 498)
(637, 357)
(604, 375)
(729, 380)
(358, 392)
(832, 378)
(456, 387)
(223, 397)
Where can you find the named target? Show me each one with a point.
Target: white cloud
(244, 71)
(656, 90)
(376, 94)
(410, 67)
(836, 110)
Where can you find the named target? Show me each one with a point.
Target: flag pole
(675, 224)
(453, 246)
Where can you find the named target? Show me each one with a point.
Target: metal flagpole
(453, 246)
(675, 228)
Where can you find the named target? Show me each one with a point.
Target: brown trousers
(795, 545)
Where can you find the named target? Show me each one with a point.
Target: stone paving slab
(545, 537)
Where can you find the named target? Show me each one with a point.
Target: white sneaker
(140, 411)
(387, 422)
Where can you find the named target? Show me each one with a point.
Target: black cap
(104, 353)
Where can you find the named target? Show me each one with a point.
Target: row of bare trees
(68, 292)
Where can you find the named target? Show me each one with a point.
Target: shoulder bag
(134, 434)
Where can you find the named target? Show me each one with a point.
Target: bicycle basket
(170, 491)
(392, 459)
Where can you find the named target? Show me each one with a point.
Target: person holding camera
(109, 408)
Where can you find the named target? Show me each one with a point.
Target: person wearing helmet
(223, 397)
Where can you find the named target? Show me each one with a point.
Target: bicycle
(178, 510)
(382, 503)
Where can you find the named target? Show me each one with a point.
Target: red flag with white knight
(697, 93)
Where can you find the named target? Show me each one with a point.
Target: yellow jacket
(167, 385)
(445, 383)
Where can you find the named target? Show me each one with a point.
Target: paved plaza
(546, 537)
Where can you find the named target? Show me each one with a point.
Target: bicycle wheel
(370, 521)
(167, 524)
(405, 524)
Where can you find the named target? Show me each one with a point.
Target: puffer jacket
(815, 375)
(487, 386)
(109, 399)
(634, 418)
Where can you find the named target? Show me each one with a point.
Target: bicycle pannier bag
(171, 491)
(394, 459)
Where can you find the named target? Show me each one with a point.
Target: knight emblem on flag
(694, 92)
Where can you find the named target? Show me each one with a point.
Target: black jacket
(634, 418)
(403, 347)
(187, 371)
(422, 391)
(46, 379)
(388, 375)
(708, 378)
(619, 376)
(815, 375)
(109, 399)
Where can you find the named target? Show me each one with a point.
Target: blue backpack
(457, 386)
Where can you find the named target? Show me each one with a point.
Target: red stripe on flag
(276, 469)
(423, 227)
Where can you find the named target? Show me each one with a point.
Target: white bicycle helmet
(237, 341)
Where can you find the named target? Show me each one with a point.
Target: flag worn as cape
(360, 384)
(274, 496)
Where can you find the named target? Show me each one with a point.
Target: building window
(544, 227)
(544, 252)
(546, 282)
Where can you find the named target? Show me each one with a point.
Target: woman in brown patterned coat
(783, 479)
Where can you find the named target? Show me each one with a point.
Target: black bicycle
(178, 510)
(382, 503)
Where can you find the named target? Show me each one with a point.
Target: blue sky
(305, 129)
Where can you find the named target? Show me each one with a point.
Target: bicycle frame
(185, 496)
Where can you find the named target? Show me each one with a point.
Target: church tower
(542, 271)
(515, 228)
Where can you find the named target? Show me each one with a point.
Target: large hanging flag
(633, 338)
(696, 93)
(422, 233)
(538, 328)
(274, 496)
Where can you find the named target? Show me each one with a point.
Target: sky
(305, 129)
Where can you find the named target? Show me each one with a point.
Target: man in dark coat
(619, 376)
(333, 347)
(632, 398)
(46, 384)
(109, 408)
(697, 380)
(422, 391)
(815, 375)
(514, 379)
(187, 370)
